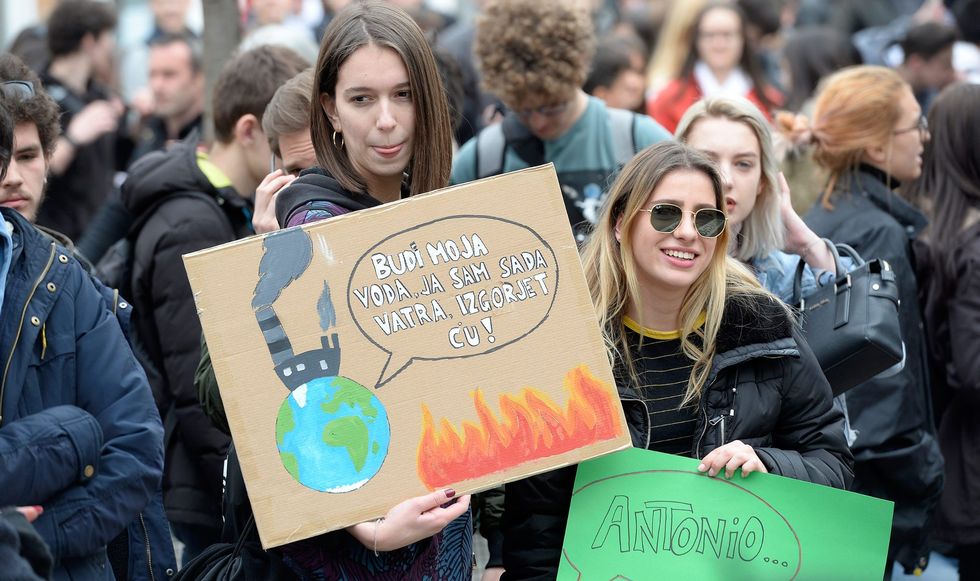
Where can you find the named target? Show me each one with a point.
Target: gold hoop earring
(334, 139)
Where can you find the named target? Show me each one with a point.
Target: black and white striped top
(663, 371)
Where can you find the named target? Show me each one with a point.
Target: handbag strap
(801, 267)
(850, 252)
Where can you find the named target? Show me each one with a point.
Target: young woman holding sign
(378, 101)
(708, 363)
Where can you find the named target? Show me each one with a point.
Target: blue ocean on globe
(332, 434)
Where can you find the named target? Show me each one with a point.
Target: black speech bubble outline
(410, 360)
(796, 537)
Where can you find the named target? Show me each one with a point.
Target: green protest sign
(637, 514)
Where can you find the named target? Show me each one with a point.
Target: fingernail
(448, 503)
(450, 493)
(39, 509)
(700, 467)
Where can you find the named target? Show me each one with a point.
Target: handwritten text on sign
(459, 294)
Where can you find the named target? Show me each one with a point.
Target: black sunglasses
(709, 222)
(17, 89)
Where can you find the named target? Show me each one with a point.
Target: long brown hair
(950, 181)
(378, 23)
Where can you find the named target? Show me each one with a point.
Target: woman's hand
(264, 218)
(731, 456)
(30, 512)
(799, 238)
(411, 521)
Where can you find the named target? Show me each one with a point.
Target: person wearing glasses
(868, 133)
(535, 56)
(688, 327)
(721, 61)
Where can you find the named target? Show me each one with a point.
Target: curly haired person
(534, 56)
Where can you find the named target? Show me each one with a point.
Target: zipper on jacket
(720, 422)
(20, 326)
(146, 539)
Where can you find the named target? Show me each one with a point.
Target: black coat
(955, 333)
(179, 211)
(896, 454)
(766, 384)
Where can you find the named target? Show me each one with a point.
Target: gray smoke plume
(288, 254)
(328, 317)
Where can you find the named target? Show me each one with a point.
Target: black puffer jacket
(765, 389)
(896, 454)
(179, 211)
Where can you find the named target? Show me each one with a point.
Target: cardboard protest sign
(443, 340)
(637, 511)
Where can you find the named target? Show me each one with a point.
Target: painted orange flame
(533, 427)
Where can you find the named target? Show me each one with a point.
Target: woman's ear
(617, 228)
(877, 155)
(330, 108)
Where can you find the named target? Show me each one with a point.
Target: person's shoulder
(753, 318)
(464, 162)
(648, 131)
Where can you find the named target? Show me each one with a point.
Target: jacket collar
(871, 183)
(33, 284)
(752, 326)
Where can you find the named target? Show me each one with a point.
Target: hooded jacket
(78, 432)
(762, 366)
(896, 453)
(179, 211)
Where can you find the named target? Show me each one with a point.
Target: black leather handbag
(852, 325)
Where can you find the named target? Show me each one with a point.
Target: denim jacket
(777, 271)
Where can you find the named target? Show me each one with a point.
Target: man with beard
(177, 86)
(79, 435)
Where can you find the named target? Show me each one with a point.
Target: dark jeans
(195, 538)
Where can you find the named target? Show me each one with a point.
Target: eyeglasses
(709, 222)
(546, 111)
(17, 89)
(922, 127)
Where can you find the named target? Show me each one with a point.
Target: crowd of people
(707, 151)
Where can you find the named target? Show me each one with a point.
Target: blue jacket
(79, 433)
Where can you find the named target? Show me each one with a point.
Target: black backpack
(115, 270)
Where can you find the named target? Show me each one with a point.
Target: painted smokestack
(275, 336)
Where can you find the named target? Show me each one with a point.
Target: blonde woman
(708, 363)
(766, 233)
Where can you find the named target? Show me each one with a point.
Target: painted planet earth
(332, 434)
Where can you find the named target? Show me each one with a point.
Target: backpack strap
(621, 123)
(490, 148)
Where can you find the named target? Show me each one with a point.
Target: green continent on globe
(285, 423)
(349, 432)
(291, 463)
(353, 394)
